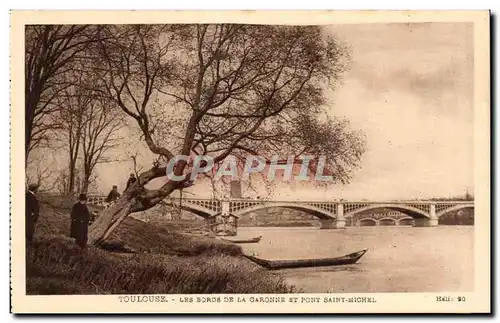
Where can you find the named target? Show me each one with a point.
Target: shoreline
(138, 258)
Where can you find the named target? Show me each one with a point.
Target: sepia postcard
(250, 162)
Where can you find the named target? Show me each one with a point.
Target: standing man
(32, 211)
(113, 195)
(80, 217)
(131, 180)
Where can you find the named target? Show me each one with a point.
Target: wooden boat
(282, 264)
(253, 240)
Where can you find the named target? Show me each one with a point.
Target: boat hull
(301, 263)
(254, 240)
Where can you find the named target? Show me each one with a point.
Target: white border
(126, 4)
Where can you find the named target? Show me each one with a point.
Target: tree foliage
(223, 90)
(219, 90)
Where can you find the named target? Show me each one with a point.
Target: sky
(410, 90)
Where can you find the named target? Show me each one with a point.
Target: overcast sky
(410, 90)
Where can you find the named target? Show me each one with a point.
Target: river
(399, 259)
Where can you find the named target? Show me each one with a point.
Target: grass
(134, 234)
(163, 261)
(56, 266)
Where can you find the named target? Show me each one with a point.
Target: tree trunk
(71, 179)
(27, 143)
(28, 128)
(86, 179)
(71, 184)
(135, 199)
(73, 157)
(110, 218)
(85, 185)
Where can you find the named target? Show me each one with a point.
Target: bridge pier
(255, 219)
(340, 216)
(225, 207)
(424, 222)
(338, 223)
(328, 224)
(428, 222)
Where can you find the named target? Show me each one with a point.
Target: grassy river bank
(159, 260)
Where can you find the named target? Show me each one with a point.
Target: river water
(399, 259)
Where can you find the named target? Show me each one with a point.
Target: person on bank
(80, 217)
(131, 180)
(113, 195)
(32, 211)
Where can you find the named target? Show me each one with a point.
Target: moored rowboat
(299, 263)
(253, 240)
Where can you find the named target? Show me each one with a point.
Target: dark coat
(80, 217)
(112, 196)
(32, 214)
(130, 181)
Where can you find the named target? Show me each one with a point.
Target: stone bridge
(332, 214)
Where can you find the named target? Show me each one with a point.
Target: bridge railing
(102, 198)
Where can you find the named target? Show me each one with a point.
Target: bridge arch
(200, 211)
(406, 221)
(408, 210)
(367, 222)
(387, 222)
(455, 208)
(309, 209)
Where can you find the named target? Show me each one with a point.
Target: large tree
(85, 124)
(50, 54)
(222, 90)
(70, 118)
(100, 134)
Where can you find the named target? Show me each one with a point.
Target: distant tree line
(466, 197)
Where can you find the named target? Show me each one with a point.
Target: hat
(32, 186)
(82, 197)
